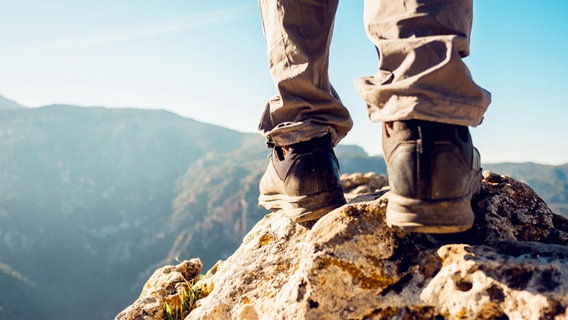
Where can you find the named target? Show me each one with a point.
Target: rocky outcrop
(349, 265)
(358, 184)
(167, 287)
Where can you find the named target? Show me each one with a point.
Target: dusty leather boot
(433, 172)
(302, 180)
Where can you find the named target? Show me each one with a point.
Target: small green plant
(169, 312)
(188, 296)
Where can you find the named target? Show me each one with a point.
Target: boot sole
(441, 216)
(304, 208)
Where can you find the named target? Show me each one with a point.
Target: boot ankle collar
(307, 146)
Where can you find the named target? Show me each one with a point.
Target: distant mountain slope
(85, 200)
(6, 103)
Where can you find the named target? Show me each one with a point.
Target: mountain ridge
(97, 184)
(8, 104)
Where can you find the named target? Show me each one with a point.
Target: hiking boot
(433, 171)
(302, 180)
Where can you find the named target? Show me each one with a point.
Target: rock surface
(357, 184)
(164, 287)
(349, 265)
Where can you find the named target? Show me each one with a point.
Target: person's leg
(306, 119)
(426, 98)
(421, 75)
(298, 35)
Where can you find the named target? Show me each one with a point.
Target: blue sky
(206, 60)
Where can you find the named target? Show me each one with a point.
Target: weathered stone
(163, 287)
(510, 210)
(350, 265)
(356, 184)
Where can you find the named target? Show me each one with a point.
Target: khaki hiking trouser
(421, 74)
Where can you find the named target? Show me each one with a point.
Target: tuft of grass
(189, 294)
(169, 312)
